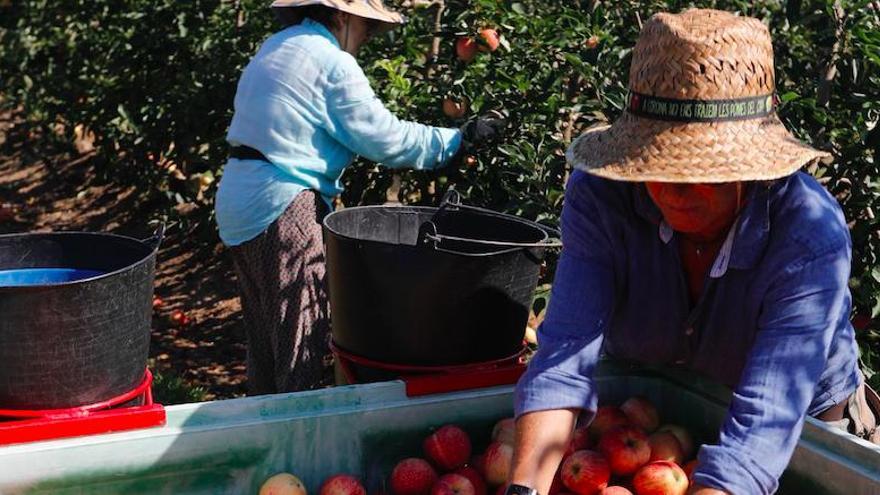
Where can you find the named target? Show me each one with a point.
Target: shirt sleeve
(802, 309)
(560, 374)
(358, 119)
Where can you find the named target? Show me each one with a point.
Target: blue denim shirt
(772, 322)
(308, 107)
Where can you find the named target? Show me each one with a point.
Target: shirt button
(689, 331)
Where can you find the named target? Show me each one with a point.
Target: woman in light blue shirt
(303, 110)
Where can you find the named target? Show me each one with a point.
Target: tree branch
(830, 72)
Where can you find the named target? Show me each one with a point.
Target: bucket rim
(416, 209)
(150, 254)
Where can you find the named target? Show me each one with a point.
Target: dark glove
(480, 132)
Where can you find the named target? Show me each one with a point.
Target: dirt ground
(49, 190)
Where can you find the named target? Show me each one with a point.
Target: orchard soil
(44, 189)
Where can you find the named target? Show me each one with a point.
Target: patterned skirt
(281, 276)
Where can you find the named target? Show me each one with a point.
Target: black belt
(246, 153)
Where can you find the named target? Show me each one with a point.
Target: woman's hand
(703, 490)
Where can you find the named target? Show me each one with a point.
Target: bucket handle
(155, 240)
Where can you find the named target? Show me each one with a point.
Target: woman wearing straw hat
(303, 110)
(692, 240)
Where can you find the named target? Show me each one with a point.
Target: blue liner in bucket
(44, 276)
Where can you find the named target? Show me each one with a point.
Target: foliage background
(152, 83)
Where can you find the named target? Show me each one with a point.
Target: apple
(666, 447)
(453, 484)
(504, 430)
(455, 109)
(491, 40)
(475, 478)
(179, 318)
(157, 302)
(626, 449)
(283, 484)
(615, 490)
(607, 417)
(342, 484)
(641, 413)
(501, 489)
(689, 469)
(684, 438)
(470, 161)
(580, 440)
(592, 42)
(412, 476)
(466, 49)
(585, 472)
(660, 478)
(497, 463)
(448, 448)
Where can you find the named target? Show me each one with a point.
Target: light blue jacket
(308, 107)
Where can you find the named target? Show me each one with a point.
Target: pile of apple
(624, 450)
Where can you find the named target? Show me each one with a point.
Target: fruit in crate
(585, 472)
(453, 484)
(626, 449)
(607, 417)
(283, 484)
(412, 476)
(475, 478)
(342, 484)
(666, 447)
(616, 490)
(689, 469)
(660, 478)
(448, 448)
(497, 463)
(642, 413)
(504, 431)
(580, 440)
(684, 438)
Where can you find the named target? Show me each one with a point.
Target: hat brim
(638, 149)
(388, 18)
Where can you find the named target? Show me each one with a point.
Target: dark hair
(291, 16)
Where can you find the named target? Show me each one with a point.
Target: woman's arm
(541, 440)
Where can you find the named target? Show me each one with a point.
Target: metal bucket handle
(452, 202)
(155, 240)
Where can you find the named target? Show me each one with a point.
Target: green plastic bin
(231, 447)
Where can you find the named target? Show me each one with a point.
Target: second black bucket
(429, 286)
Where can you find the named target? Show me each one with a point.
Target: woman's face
(702, 209)
(354, 31)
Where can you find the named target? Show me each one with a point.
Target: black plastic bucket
(76, 310)
(429, 286)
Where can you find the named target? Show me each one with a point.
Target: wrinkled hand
(703, 490)
(480, 132)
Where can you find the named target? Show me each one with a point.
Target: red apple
(455, 109)
(449, 447)
(660, 478)
(491, 40)
(607, 417)
(641, 413)
(499, 457)
(453, 484)
(626, 449)
(283, 484)
(580, 440)
(504, 430)
(179, 318)
(501, 489)
(475, 478)
(592, 42)
(157, 302)
(412, 476)
(342, 484)
(615, 490)
(471, 162)
(466, 49)
(585, 472)
(684, 438)
(665, 447)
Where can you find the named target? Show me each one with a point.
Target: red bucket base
(116, 414)
(426, 380)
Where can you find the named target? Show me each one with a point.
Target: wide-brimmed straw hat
(369, 9)
(700, 108)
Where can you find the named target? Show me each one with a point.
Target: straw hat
(701, 107)
(369, 9)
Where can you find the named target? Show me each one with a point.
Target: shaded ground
(43, 190)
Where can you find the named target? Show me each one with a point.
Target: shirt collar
(321, 29)
(746, 241)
